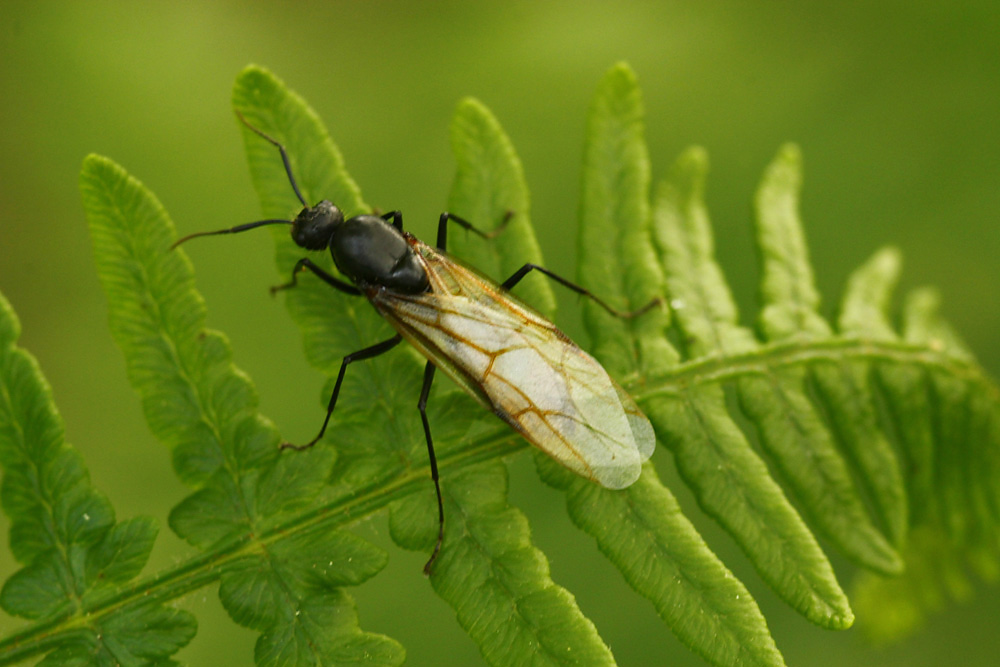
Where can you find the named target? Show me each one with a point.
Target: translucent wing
(523, 368)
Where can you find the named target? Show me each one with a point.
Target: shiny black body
(365, 248)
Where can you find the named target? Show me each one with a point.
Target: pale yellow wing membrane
(509, 357)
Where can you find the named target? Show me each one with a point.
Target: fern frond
(808, 390)
(487, 184)
(280, 579)
(883, 440)
(75, 555)
(826, 404)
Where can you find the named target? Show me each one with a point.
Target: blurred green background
(895, 105)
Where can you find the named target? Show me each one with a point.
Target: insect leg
(396, 217)
(442, 237)
(422, 406)
(528, 268)
(306, 263)
(367, 353)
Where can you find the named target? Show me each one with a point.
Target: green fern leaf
(616, 258)
(946, 415)
(791, 299)
(617, 215)
(885, 441)
(488, 185)
(490, 569)
(203, 407)
(64, 532)
(491, 566)
(814, 396)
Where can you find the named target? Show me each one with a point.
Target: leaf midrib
(766, 358)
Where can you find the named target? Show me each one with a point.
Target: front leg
(306, 263)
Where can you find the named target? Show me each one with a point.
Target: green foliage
(76, 557)
(279, 572)
(885, 443)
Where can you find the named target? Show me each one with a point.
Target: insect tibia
(656, 301)
(582, 291)
(298, 448)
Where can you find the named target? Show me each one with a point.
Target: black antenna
(259, 223)
(284, 156)
(232, 230)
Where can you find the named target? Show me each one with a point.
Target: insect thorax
(371, 252)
